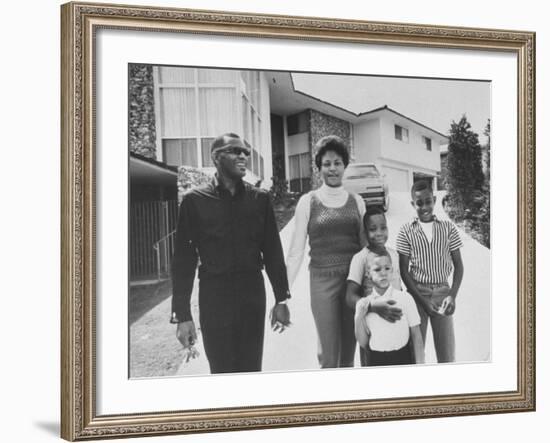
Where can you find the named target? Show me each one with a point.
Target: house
(174, 115)
(186, 108)
(406, 150)
(176, 112)
(192, 106)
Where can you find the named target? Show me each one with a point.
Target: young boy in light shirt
(388, 342)
(429, 253)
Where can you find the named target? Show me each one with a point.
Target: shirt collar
(417, 220)
(219, 186)
(387, 292)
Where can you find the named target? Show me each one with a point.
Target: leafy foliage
(468, 191)
(464, 163)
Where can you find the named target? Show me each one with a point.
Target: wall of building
(266, 149)
(366, 140)
(414, 152)
(320, 126)
(141, 119)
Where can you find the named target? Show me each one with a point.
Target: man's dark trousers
(232, 320)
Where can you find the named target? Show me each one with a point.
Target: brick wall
(142, 111)
(322, 125)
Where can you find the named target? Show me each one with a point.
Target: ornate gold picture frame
(80, 240)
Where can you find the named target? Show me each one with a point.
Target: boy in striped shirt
(429, 251)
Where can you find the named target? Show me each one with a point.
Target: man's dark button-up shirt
(228, 235)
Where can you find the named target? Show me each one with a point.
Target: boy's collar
(435, 219)
(386, 292)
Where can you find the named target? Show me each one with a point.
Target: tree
(465, 173)
(487, 133)
(468, 192)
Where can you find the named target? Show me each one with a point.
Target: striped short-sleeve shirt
(430, 261)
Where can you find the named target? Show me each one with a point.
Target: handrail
(157, 248)
(155, 245)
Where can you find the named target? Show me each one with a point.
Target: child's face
(423, 202)
(377, 230)
(380, 271)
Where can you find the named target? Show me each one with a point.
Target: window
(262, 170)
(197, 105)
(298, 123)
(206, 145)
(427, 142)
(300, 172)
(401, 133)
(251, 118)
(179, 152)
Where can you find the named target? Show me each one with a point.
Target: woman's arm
(362, 209)
(295, 254)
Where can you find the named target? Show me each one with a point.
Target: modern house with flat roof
(405, 149)
(176, 112)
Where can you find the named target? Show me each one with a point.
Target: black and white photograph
(296, 221)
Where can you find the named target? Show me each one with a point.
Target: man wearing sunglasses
(228, 229)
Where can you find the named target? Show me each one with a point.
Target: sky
(432, 102)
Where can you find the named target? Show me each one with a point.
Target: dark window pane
(180, 152)
(398, 133)
(206, 144)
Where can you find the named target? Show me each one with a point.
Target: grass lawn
(154, 349)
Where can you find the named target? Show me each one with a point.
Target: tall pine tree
(487, 133)
(465, 173)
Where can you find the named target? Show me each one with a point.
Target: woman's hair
(373, 210)
(331, 143)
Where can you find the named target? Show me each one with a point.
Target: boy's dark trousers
(389, 358)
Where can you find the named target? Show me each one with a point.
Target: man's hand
(448, 306)
(429, 307)
(280, 317)
(186, 333)
(386, 309)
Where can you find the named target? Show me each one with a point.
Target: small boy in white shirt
(388, 341)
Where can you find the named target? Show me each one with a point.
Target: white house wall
(413, 153)
(266, 131)
(366, 141)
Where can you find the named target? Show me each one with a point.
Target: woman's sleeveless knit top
(333, 233)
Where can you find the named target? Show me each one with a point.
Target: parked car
(369, 182)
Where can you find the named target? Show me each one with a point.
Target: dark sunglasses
(236, 151)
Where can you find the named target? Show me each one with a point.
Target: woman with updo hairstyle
(330, 217)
